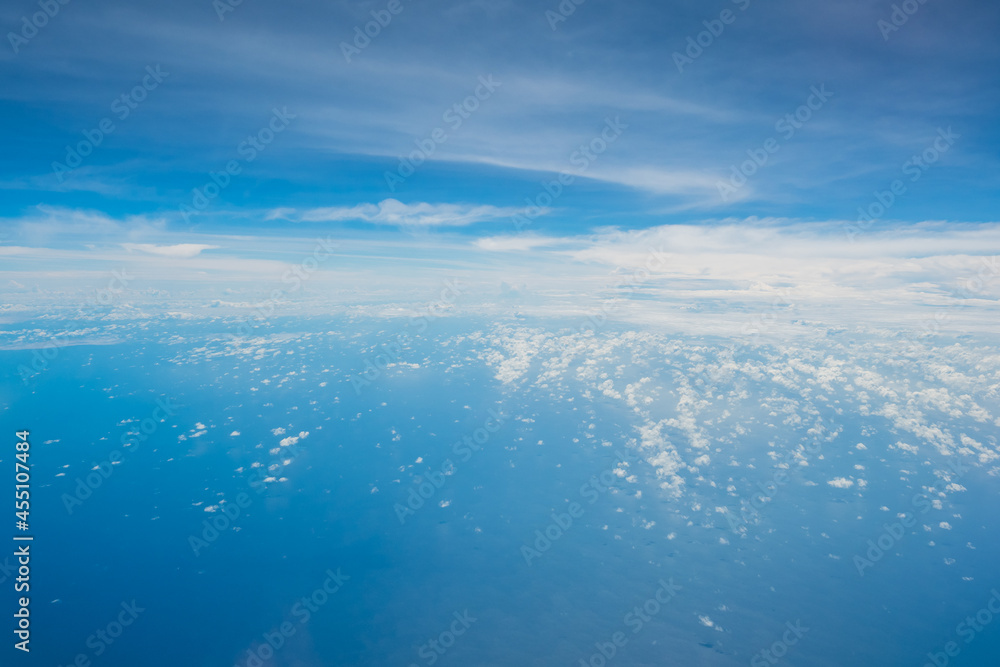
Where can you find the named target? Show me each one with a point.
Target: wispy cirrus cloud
(686, 129)
(177, 251)
(396, 213)
(516, 243)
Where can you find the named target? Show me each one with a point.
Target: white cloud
(178, 251)
(516, 242)
(662, 181)
(395, 212)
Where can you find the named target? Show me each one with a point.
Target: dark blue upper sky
(681, 121)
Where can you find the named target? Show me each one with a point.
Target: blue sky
(496, 100)
(685, 129)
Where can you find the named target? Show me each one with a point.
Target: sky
(842, 146)
(301, 188)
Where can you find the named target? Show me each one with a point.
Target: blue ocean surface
(350, 491)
